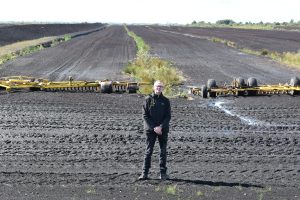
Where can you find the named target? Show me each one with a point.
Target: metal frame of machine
(13, 83)
(241, 88)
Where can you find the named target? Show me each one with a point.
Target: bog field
(88, 145)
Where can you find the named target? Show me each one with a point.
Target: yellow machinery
(13, 83)
(240, 88)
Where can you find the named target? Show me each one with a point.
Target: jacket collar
(156, 96)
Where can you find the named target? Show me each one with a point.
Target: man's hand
(158, 130)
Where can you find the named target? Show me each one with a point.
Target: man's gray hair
(158, 82)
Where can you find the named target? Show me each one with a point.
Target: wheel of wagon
(211, 83)
(295, 81)
(204, 91)
(132, 88)
(106, 87)
(211, 94)
(240, 82)
(251, 82)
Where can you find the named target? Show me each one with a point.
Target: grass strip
(147, 68)
(237, 26)
(287, 58)
(12, 51)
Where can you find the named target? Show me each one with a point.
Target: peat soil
(272, 40)
(200, 59)
(15, 33)
(91, 146)
(65, 145)
(96, 56)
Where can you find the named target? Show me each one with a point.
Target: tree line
(231, 22)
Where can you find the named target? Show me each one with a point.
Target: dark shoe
(143, 177)
(164, 177)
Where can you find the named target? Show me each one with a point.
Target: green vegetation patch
(288, 58)
(226, 42)
(12, 51)
(146, 68)
(18, 46)
(171, 189)
(228, 23)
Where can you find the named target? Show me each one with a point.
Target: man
(156, 115)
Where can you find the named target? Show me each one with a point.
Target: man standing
(156, 115)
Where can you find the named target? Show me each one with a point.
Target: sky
(149, 11)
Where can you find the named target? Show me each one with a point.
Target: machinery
(13, 83)
(250, 88)
(237, 88)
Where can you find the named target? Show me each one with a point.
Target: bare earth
(272, 40)
(16, 33)
(91, 145)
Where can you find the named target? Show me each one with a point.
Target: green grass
(12, 51)
(199, 194)
(18, 46)
(240, 26)
(226, 42)
(258, 26)
(146, 68)
(171, 189)
(142, 47)
(288, 58)
(252, 26)
(262, 192)
(90, 190)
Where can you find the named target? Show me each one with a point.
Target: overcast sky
(149, 11)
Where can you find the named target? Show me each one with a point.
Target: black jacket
(156, 112)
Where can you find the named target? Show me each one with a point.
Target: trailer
(241, 88)
(15, 83)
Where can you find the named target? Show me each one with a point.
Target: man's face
(158, 88)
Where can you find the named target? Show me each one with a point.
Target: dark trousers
(150, 141)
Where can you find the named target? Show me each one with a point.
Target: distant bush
(7, 57)
(67, 37)
(264, 52)
(225, 21)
